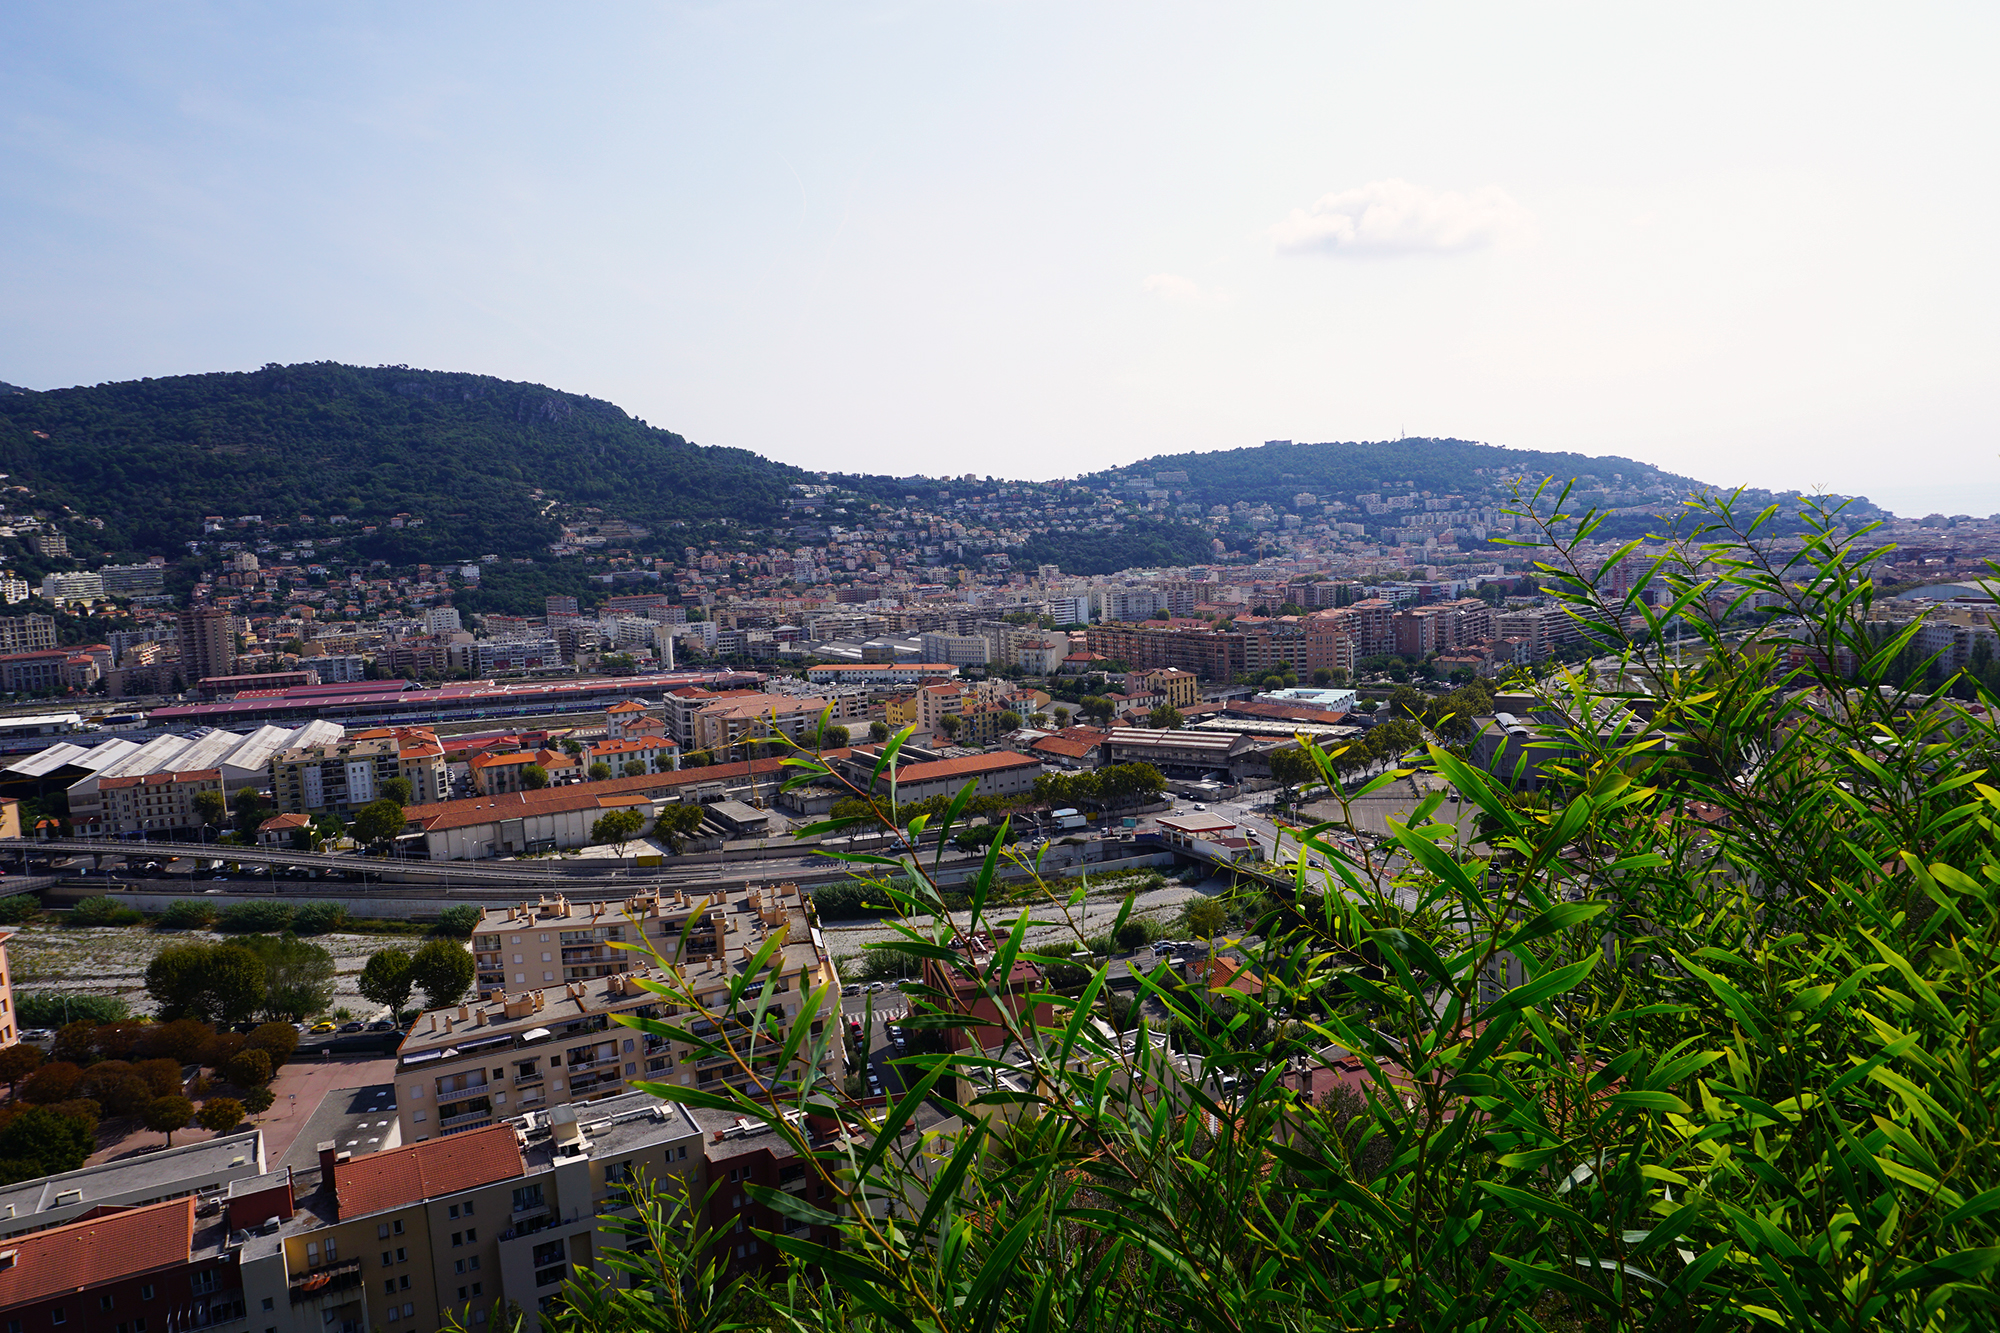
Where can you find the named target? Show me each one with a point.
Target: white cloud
(1174, 287)
(1394, 217)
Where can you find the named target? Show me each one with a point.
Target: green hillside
(462, 452)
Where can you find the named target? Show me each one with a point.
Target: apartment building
(36, 673)
(725, 722)
(158, 1266)
(654, 754)
(1207, 654)
(347, 774)
(533, 1041)
(10, 1027)
(27, 634)
(957, 649)
(679, 707)
(890, 675)
(1002, 774)
(208, 642)
(155, 802)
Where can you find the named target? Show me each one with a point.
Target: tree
(56, 1141)
(676, 823)
(17, 1062)
(378, 821)
(458, 922)
(220, 1114)
(572, 747)
(619, 826)
(599, 771)
(834, 737)
(1097, 708)
(1206, 917)
(298, 974)
(277, 1040)
(248, 1068)
(53, 1082)
(385, 979)
(534, 777)
(213, 983)
(1164, 717)
(209, 808)
(442, 971)
(164, 1115)
(634, 768)
(258, 1100)
(1010, 720)
(251, 812)
(1292, 767)
(878, 731)
(398, 790)
(950, 724)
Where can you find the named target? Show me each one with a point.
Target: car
(319, 1027)
(852, 988)
(383, 1025)
(353, 1025)
(1199, 806)
(38, 1034)
(874, 987)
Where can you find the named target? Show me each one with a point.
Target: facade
(885, 674)
(1209, 654)
(10, 1026)
(208, 643)
(725, 722)
(154, 1267)
(35, 673)
(1185, 753)
(1179, 689)
(207, 1168)
(27, 634)
(81, 587)
(155, 802)
(1002, 774)
(345, 775)
(531, 1044)
(957, 649)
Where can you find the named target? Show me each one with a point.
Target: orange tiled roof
(400, 1176)
(99, 1250)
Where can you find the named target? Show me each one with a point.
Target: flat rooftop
(191, 1168)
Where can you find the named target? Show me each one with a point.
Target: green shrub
(47, 1009)
(103, 912)
(458, 922)
(262, 916)
(18, 907)
(318, 918)
(187, 914)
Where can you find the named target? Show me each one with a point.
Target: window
(457, 1238)
(329, 1258)
(452, 1211)
(312, 1253)
(468, 1208)
(393, 1313)
(402, 1255)
(403, 1282)
(472, 1264)
(382, 1231)
(631, 1069)
(58, 1316)
(552, 1252)
(270, 1304)
(104, 1302)
(479, 1316)
(458, 1267)
(462, 1293)
(396, 1227)
(548, 1276)
(527, 1197)
(409, 1309)
(389, 1287)
(203, 1283)
(471, 1234)
(388, 1259)
(478, 1287)
(146, 1292)
(418, 1117)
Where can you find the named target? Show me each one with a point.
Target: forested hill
(1272, 473)
(461, 452)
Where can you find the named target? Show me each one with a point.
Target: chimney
(463, 1013)
(479, 1018)
(539, 1000)
(447, 1023)
(326, 1161)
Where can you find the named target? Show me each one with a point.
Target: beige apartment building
(551, 977)
(347, 774)
(155, 802)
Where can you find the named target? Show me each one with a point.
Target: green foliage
(1143, 544)
(1108, 787)
(166, 1114)
(878, 731)
(677, 823)
(1164, 717)
(211, 983)
(458, 922)
(461, 451)
(845, 900)
(17, 908)
(220, 1114)
(276, 1040)
(102, 912)
(256, 1101)
(377, 822)
(618, 826)
(187, 914)
(385, 979)
(598, 771)
(47, 1009)
(319, 918)
(259, 915)
(51, 1140)
(398, 790)
(534, 777)
(443, 971)
(248, 1068)
(298, 975)
(210, 808)
(250, 812)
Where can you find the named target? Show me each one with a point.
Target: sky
(1751, 244)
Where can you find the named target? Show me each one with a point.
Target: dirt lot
(111, 960)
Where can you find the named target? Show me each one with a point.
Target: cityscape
(973, 835)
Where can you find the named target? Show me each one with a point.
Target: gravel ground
(111, 960)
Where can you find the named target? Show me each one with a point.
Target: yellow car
(323, 1026)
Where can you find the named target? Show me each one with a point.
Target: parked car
(383, 1025)
(874, 986)
(320, 1027)
(353, 1025)
(38, 1034)
(851, 988)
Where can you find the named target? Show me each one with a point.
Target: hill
(463, 453)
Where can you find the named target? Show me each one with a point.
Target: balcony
(528, 1080)
(317, 1283)
(465, 1117)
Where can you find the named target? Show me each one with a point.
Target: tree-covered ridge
(1274, 472)
(461, 452)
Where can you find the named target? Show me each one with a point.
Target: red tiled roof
(401, 1176)
(966, 766)
(555, 800)
(94, 1252)
(279, 822)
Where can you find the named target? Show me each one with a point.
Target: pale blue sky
(1750, 243)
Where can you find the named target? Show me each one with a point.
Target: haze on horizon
(1033, 240)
